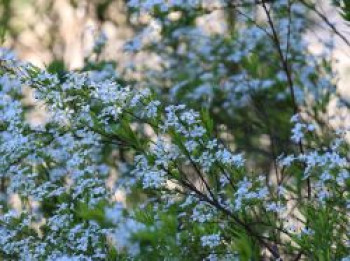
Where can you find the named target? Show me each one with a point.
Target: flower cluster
(203, 150)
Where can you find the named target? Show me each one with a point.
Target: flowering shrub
(188, 141)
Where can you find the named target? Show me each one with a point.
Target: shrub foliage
(225, 149)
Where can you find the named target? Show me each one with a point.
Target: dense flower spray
(223, 152)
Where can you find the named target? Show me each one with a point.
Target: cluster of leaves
(188, 141)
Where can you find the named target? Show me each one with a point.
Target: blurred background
(46, 31)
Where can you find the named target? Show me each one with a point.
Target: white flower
(151, 109)
(297, 132)
(211, 241)
(276, 207)
(226, 157)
